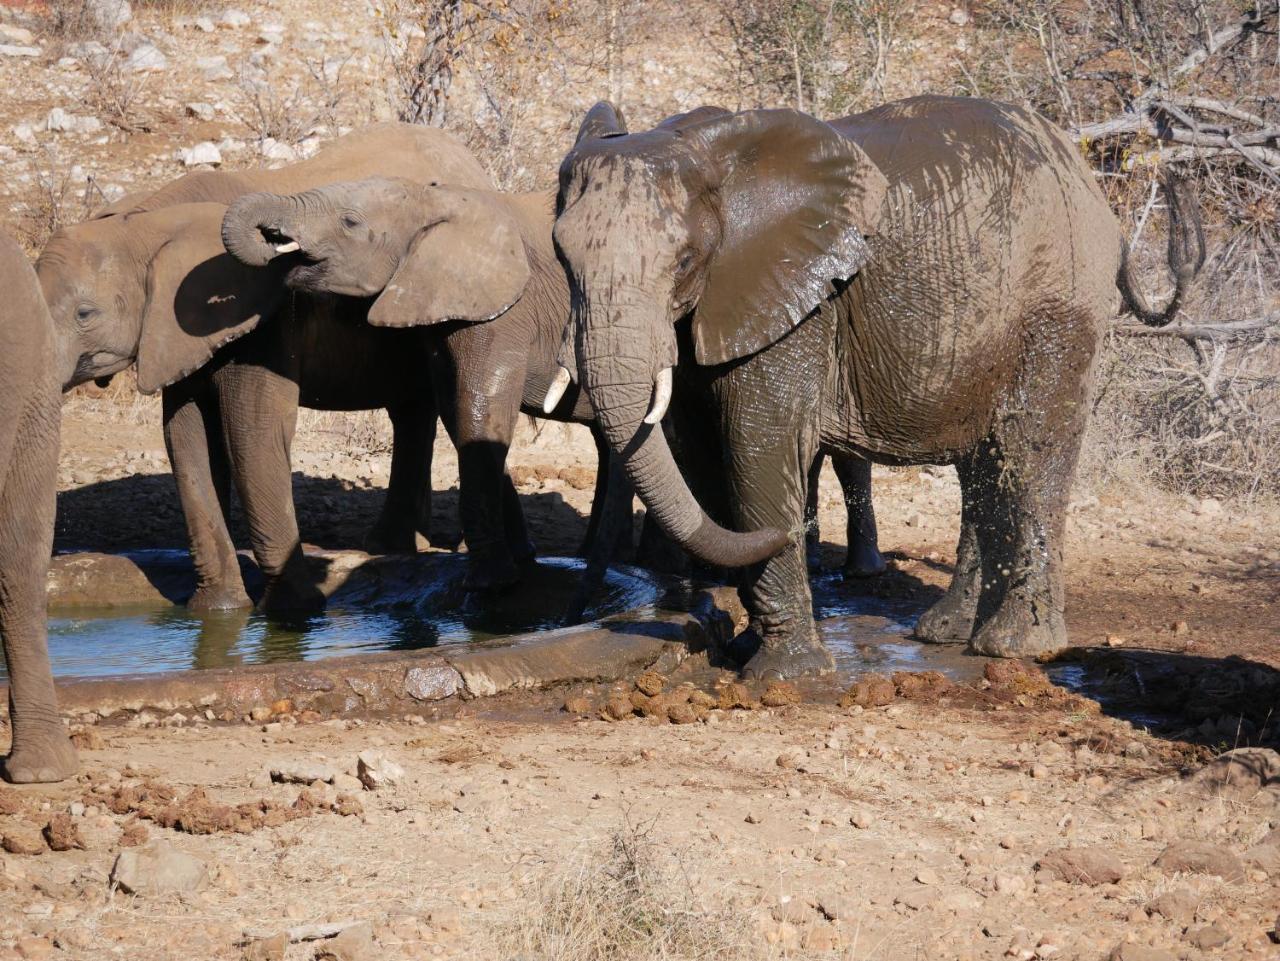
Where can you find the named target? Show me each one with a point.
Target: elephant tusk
(288, 248)
(661, 397)
(559, 384)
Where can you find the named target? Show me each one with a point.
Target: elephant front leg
(197, 456)
(406, 512)
(863, 558)
(40, 750)
(259, 414)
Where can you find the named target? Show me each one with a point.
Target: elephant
(30, 421)
(151, 283)
(926, 282)
(478, 268)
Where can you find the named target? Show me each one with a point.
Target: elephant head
(428, 253)
(156, 288)
(744, 224)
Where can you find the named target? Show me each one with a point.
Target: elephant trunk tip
(253, 233)
(713, 544)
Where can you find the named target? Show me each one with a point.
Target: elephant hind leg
(863, 558)
(950, 620)
(406, 511)
(812, 533)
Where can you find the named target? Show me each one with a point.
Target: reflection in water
(371, 616)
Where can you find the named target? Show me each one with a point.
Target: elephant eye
(85, 312)
(350, 221)
(685, 261)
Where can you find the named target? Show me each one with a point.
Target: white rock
(214, 68)
(18, 50)
(271, 33)
(25, 133)
(90, 50)
(158, 869)
(108, 15)
(201, 111)
(263, 55)
(59, 121)
(959, 16)
(376, 770)
(273, 149)
(234, 19)
(146, 57)
(204, 152)
(16, 34)
(203, 24)
(302, 772)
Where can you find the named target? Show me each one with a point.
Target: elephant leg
(40, 750)
(198, 458)
(863, 558)
(601, 491)
(482, 425)
(259, 414)
(406, 512)
(950, 619)
(812, 534)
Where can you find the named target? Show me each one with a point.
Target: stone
(158, 869)
(273, 149)
(208, 153)
(352, 944)
(1129, 951)
(234, 19)
(1238, 775)
(214, 69)
(23, 839)
(1091, 866)
(62, 834)
(204, 24)
(267, 949)
(1176, 904)
(12, 33)
(1209, 937)
(1264, 858)
(34, 949)
(59, 121)
(302, 772)
(861, 819)
(108, 15)
(432, 683)
(201, 111)
(376, 770)
(927, 876)
(1200, 857)
(959, 16)
(146, 58)
(18, 50)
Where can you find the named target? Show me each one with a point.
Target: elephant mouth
(279, 241)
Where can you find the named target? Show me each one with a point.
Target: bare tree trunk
(432, 74)
(613, 49)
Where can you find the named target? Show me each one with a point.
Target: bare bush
(290, 113)
(630, 903)
(115, 92)
(60, 193)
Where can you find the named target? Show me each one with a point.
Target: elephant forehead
(625, 202)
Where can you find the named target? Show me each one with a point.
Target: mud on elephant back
(927, 282)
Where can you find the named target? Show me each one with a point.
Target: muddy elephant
(30, 417)
(151, 283)
(473, 271)
(927, 282)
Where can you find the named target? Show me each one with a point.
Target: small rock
(780, 694)
(1039, 771)
(353, 944)
(34, 949)
(1128, 951)
(62, 834)
(861, 819)
(201, 111)
(267, 949)
(23, 839)
(18, 50)
(376, 770)
(1091, 866)
(1200, 857)
(12, 33)
(302, 772)
(234, 19)
(273, 149)
(753, 818)
(1238, 775)
(1209, 937)
(108, 15)
(959, 16)
(577, 705)
(1177, 904)
(1264, 858)
(214, 68)
(927, 876)
(158, 869)
(146, 58)
(207, 152)
(650, 683)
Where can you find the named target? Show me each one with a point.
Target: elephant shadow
(142, 511)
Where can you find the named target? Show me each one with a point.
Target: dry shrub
(61, 193)
(632, 902)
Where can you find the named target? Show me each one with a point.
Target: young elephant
(152, 283)
(30, 398)
(474, 269)
(927, 282)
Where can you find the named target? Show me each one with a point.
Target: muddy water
(362, 618)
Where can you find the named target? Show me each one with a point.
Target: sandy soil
(928, 827)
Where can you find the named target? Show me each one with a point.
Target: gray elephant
(474, 269)
(927, 282)
(30, 401)
(151, 282)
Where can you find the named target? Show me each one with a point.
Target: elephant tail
(1186, 256)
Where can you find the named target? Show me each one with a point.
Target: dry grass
(631, 902)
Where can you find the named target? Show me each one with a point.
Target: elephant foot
(1020, 628)
(40, 758)
(864, 560)
(779, 662)
(219, 597)
(388, 539)
(493, 574)
(949, 621)
(288, 597)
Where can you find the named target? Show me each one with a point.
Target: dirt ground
(931, 826)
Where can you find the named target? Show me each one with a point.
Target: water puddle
(400, 607)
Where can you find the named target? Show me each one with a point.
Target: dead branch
(1251, 328)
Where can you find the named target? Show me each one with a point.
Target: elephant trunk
(623, 388)
(257, 228)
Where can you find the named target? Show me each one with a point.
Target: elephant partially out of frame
(30, 417)
(927, 282)
(235, 353)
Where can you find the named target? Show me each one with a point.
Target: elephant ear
(797, 201)
(602, 120)
(469, 263)
(198, 297)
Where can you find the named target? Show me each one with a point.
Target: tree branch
(1252, 328)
